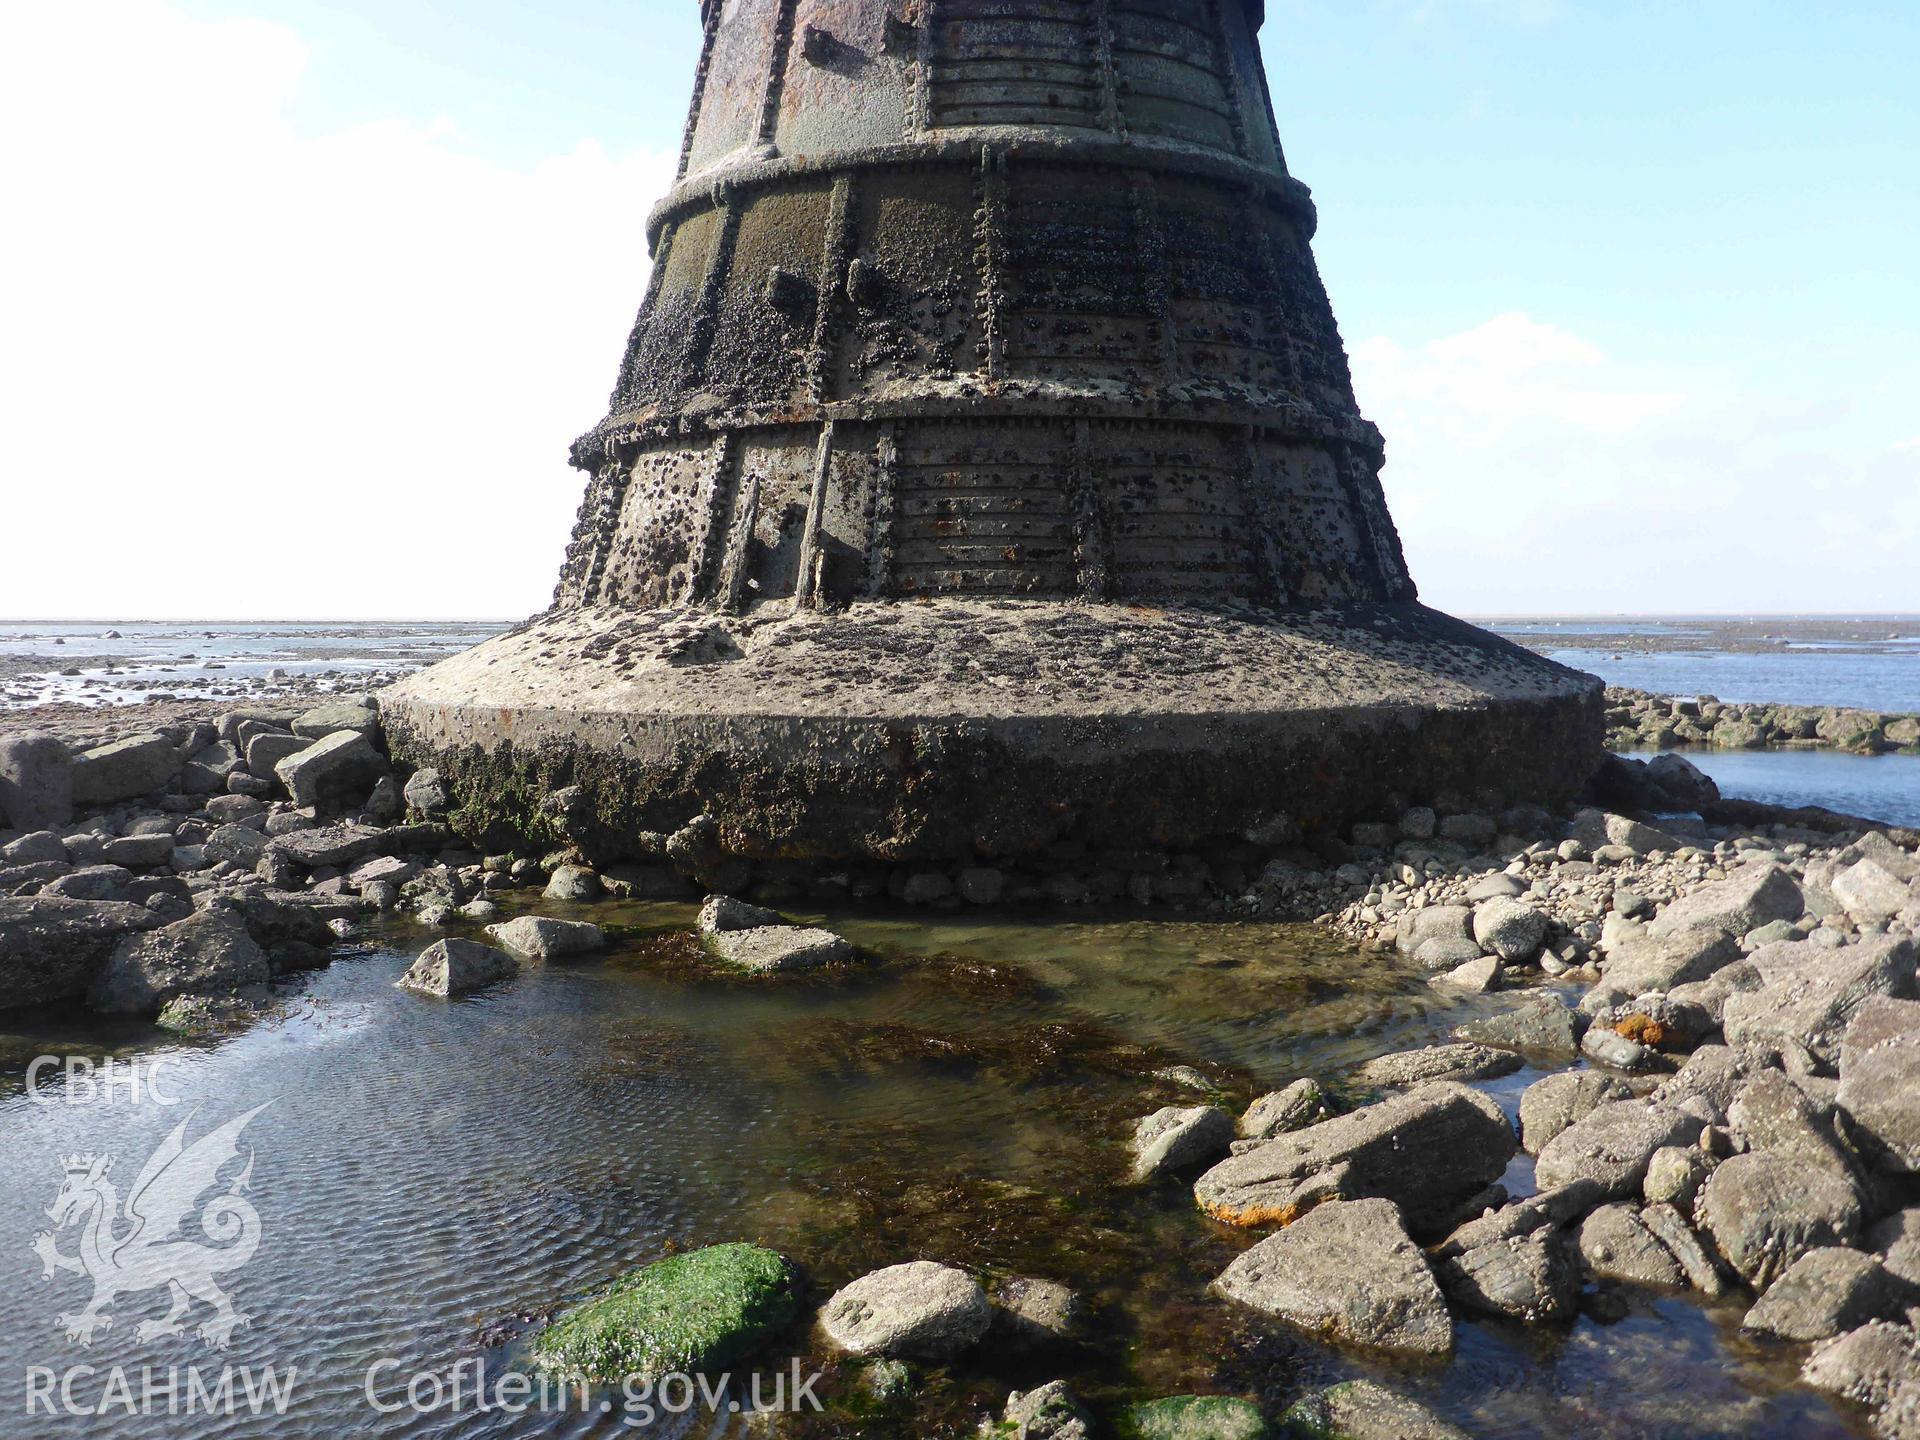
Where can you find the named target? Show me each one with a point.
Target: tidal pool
(433, 1178)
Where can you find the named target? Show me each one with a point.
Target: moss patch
(1194, 1417)
(689, 1312)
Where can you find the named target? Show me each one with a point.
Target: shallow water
(1886, 679)
(433, 1177)
(1880, 787)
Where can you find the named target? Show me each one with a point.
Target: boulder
(125, 770)
(36, 781)
(206, 954)
(572, 882)
(335, 716)
(1049, 1412)
(1476, 977)
(1611, 1145)
(339, 844)
(40, 846)
(1880, 1081)
(767, 948)
(1511, 929)
(1438, 936)
(1744, 901)
(267, 750)
(1174, 1139)
(51, 947)
(207, 771)
(1765, 1209)
(342, 767)
(1615, 1243)
(1670, 1227)
(238, 844)
(539, 937)
(139, 852)
(1867, 890)
(1814, 1006)
(1644, 962)
(1526, 1278)
(1552, 1103)
(91, 882)
(1428, 1150)
(1030, 1313)
(1825, 1293)
(920, 1310)
(426, 793)
(1463, 1061)
(1675, 1175)
(454, 967)
(693, 1313)
(723, 912)
(1280, 1112)
(1597, 829)
(1347, 1270)
(1867, 1364)
(1544, 1025)
(1364, 1410)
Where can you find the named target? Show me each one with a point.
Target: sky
(303, 302)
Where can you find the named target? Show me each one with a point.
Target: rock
(1766, 1209)
(235, 810)
(1174, 1139)
(342, 767)
(1428, 1150)
(693, 1313)
(572, 882)
(1279, 1112)
(539, 937)
(41, 846)
(1867, 1364)
(1645, 963)
(1476, 977)
(1744, 901)
(1826, 1292)
(1814, 1006)
(331, 718)
(1498, 886)
(238, 844)
(51, 948)
(267, 750)
(454, 967)
(1869, 891)
(629, 881)
(1437, 1062)
(1596, 829)
(1880, 1081)
(207, 771)
(1048, 1413)
(387, 869)
(1364, 1410)
(139, 852)
(1551, 1104)
(36, 781)
(723, 912)
(1468, 830)
(124, 770)
(1616, 1244)
(1030, 1313)
(1527, 1278)
(206, 954)
(920, 1310)
(1194, 1417)
(979, 885)
(1348, 1270)
(1611, 1145)
(425, 792)
(208, 1014)
(767, 948)
(1438, 936)
(925, 887)
(91, 882)
(1512, 930)
(1683, 785)
(1544, 1025)
(384, 805)
(1675, 1174)
(1670, 1227)
(1607, 1047)
(331, 845)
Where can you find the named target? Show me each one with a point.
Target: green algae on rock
(1362, 1410)
(688, 1312)
(1194, 1417)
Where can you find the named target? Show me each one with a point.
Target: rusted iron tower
(984, 475)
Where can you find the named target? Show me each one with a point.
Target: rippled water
(1887, 680)
(433, 1177)
(1880, 787)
